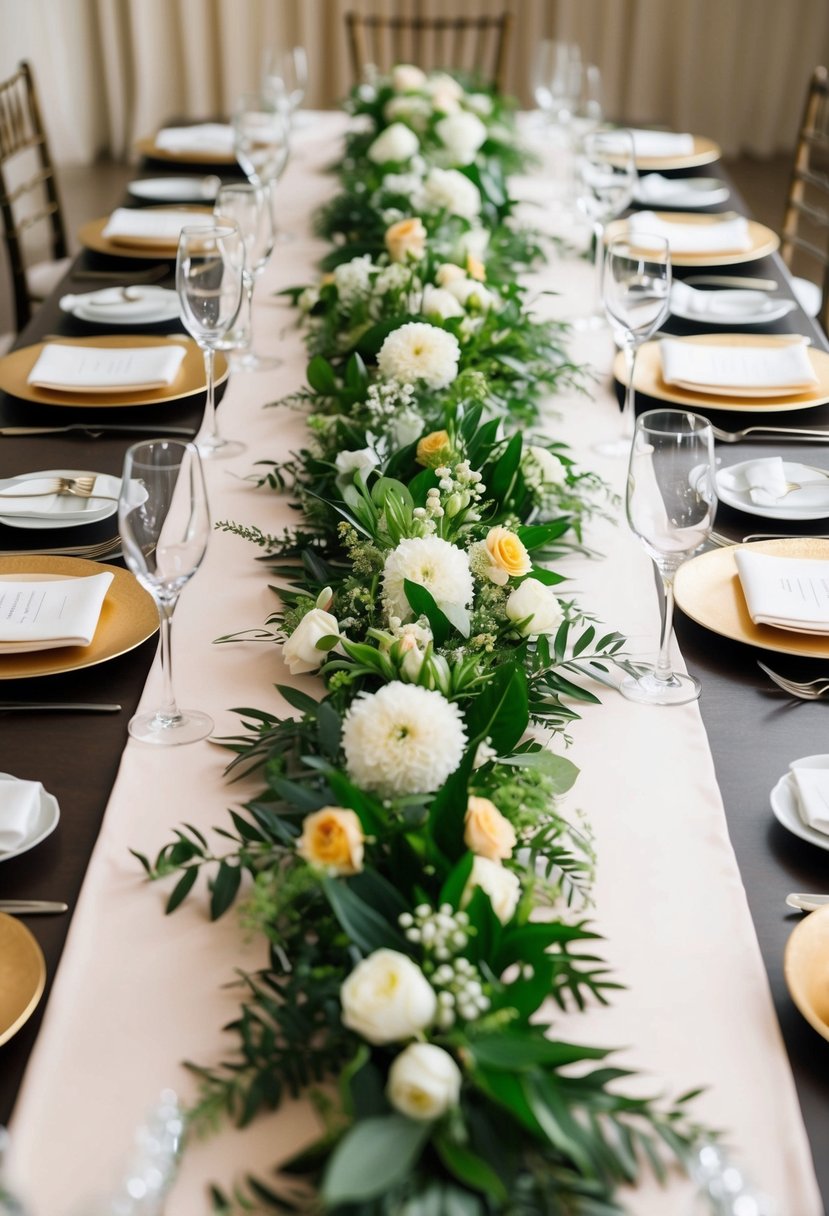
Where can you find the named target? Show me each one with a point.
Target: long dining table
(692, 869)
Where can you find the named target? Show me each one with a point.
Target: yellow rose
(475, 268)
(406, 240)
(434, 449)
(507, 555)
(327, 279)
(332, 838)
(488, 833)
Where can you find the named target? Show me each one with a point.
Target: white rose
(438, 302)
(405, 78)
(551, 468)
(450, 190)
(441, 84)
(471, 294)
(360, 460)
(397, 143)
(535, 600)
(387, 998)
(479, 103)
(405, 427)
(300, 650)
(424, 1082)
(462, 135)
(447, 272)
(501, 885)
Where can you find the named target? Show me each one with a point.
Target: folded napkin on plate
(42, 614)
(60, 506)
(768, 483)
(656, 188)
(202, 137)
(161, 226)
(715, 236)
(95, 369)
(811, 787)
(787, 592)
(773, 370)
(726, 304)
(660, 143)
(140, 303)
(19, 806)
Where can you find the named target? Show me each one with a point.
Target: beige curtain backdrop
(111, 71)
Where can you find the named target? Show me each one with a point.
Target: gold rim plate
(15, 369)
(22, 975)
(705, 151)
(806, 965)
(763, 240)
(707, 589)
(649, 380)
(91, 236)
(129, 616)
(148, 147)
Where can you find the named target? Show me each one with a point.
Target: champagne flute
(605, 180)
(285, 78)
(164, 523)
(636, 289)
(261, 143)
(209, 284)
(247, 206)
(670, 506)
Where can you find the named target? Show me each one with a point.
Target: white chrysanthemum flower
(433, 563)
(438, 302)
(462, 135)
(397, 143)
(353, 279)
(450, 190)
(418, 351)
(402, 739)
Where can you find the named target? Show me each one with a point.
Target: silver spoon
(806, 903)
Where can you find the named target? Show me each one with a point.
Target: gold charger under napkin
(91, 236)
(762, 240)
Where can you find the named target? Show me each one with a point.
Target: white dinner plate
(176, 189)
(768, 310)
(68, 512)
(686, 193)
(45, 822)
(787, 508)
(143, 304)
(784, 806)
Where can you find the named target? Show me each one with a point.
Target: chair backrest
(28, 187)
(806, 221)
(476, 45)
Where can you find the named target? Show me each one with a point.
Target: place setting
(727, 306)
(682, 193)
(189, 189)
(58, 499)
(205, 143)
(695, 239)
(141, 232)
(127, 305)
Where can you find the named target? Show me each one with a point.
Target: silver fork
(805, 690)
(761, 432)
(104, 548)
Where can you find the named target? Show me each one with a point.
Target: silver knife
(104, 428)
(32, 907)
(75, 706)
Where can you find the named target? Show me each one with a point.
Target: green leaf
(534, 535)
(562, 771)
(224, 888)
(299, 700)
(329, 729)
(320, 375)
(388, 487)
(501, 711)
(514, 1052)
(368, 930)
(500, 479)
(356, 375)
(422, 603)
(453, 888)
(469, 1168)
(527, 943)
(182, 888)
(372, 1157)
(448, 810)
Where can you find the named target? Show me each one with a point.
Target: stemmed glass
(247, 206)
(209, 269)
(261, 143)
(557, 80)
(670, 506)
(164, 523)
(636, 289)
(605, 180)
(285, 78)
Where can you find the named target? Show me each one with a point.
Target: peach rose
(475, 268)
(406, 240)
(332, 838)
(434, 449)
(507, 555)
(488, 833)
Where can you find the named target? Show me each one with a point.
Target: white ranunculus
(387, 998)
(402, 739)
(405, 427)
(406, 78)
(450, 190)
(537, 601)
(462, 135)
(471, 294)
(500, 884)
(438, 302)
(300, 650)
(397, 143)
(418, 351)
(551, 470)
(433, 563)
(359, 460)
(424, 1082)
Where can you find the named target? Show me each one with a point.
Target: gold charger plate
(148, 147)
(91, 236)
(648, 378)
(129, 616)
(22, 975)
(705, 151)
(15, 369)
(806, 968)
(763, 240)
(707, 589)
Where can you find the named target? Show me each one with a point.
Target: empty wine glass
(670, 507)
(247, 206)
(557, 80)
(209, 269)
(636, 288)
(285, 78)
(261, 143)
(605, 179)
(164, 523)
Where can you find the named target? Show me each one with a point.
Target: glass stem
(169, 712)
(209, 423)
(663, 671)
(247, 317)
(598, 265)
(629, 407)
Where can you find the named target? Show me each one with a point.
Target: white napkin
(156, 225)
(715, 236)
(768, 483)
(19, 806)
(774, 370)
(45, 613)
(787, 592)
(141, 303)
(61, 506)
(726, 304)
(659, 143)
(811, 787)
(214, 137)
(95, 369)
(656, 188)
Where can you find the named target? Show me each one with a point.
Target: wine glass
(557, 79)
(164, 523)
(285, 78)
(261, 143)
(636, 288)
(247, 206)
(209, 284)
(605, 180)
(670, 507)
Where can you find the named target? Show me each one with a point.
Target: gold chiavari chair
(806, 222)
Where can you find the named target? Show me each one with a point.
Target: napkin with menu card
(660, 143)
(811, 787)
(786, 592)
(19, 805)
(216, 137)
(768, 483)
(157, 226)
(776, 369)
(41, 614)
(729, 235)
(100, 369)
